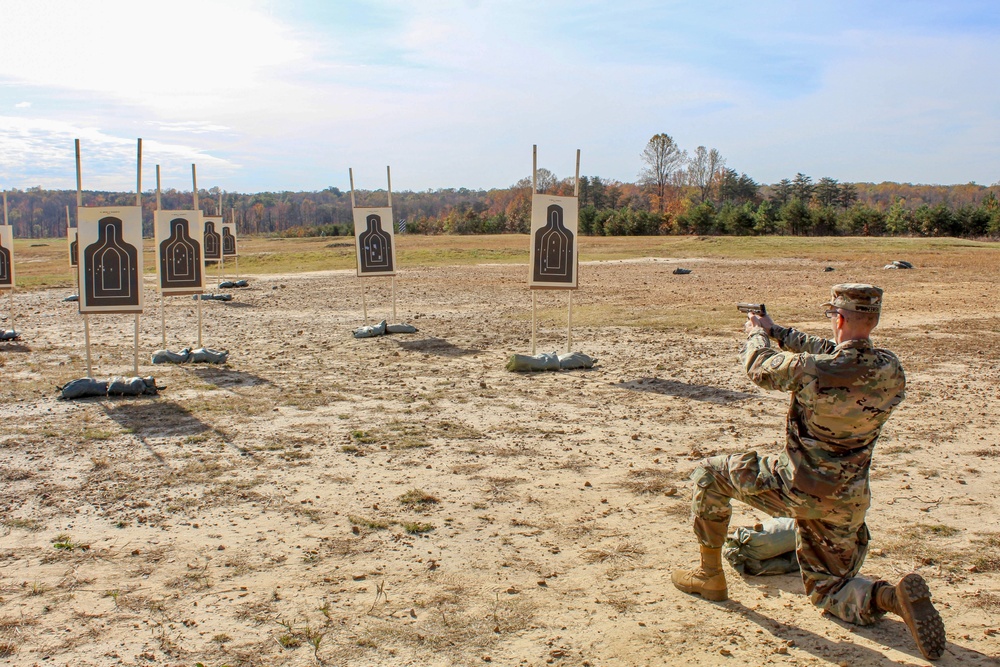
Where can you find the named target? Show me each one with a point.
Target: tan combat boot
(707, 580)
(911, 599)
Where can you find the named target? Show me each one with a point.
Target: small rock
(512, 591)
(360, 577)
(725, 651)
(587, 484)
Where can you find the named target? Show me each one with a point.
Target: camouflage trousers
(831, 538)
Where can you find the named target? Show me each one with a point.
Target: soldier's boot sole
(925, 624)
(708, 585)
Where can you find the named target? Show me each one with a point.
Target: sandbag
(72, 298)
(576, 360)
(83, 388)
(767, 548)
(168, 357)
(229, 284)
(208, 356)
(9, 334)
(116, 386)
(400, 328)
(370, 331)
(549, 362)
(213, 297)
(540, 362)
(132, 386)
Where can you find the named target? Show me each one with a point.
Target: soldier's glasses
(830, 313)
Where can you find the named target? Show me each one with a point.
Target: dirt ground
(324, 500)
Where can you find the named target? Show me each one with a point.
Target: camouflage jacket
(841, 397)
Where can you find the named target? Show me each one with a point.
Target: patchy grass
(649, 481)
(416, 527)
(418, 498)
(370, 524)
(623, 551)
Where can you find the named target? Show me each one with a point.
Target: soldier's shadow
(697, 392)
(822, 647)
(13, 347)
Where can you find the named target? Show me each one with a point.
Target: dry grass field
(323, 500)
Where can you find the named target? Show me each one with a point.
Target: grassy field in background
(43, 262)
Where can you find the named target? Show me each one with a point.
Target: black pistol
(756, 308)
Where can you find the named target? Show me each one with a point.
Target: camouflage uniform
(841, 395)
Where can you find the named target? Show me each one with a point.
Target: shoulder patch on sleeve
(776, 361)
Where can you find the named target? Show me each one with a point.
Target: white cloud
(32, 149)
(23, 105)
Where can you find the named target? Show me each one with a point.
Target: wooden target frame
(374, 242)
(554, 257)
(109, 232)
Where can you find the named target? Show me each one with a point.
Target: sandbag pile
(213, 297)
(767, 548)
(549, 362)
(898, 264)
(381, 329)
(229, 284)
(187, 355)
(9, 334)
(115, 386)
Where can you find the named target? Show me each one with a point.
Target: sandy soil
(406, 501)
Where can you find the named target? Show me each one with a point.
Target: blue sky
(288, 95)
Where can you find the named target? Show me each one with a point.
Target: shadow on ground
(437, 346)
(697, 392)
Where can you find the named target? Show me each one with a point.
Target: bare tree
(662, 158)
(706, 167)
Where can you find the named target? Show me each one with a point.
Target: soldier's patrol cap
(857, 297)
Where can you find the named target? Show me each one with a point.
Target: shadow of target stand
(109, 259)
(553, 263)
(375, 243)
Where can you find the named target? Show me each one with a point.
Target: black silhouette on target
(553, 249)
(228, 242)
(213, 242)
(376, 247)
(111, 269)
(180, 258)
(6, 275)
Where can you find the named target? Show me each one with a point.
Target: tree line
(675, 193)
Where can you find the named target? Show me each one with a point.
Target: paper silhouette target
(229, 239)
(553, 260)
(180, 262)
(6, 257)
(109, 242)
(74, 248)
(375, 242)
(213, 237)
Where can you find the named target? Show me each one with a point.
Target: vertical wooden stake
(194, 183)
(138, 177)
(388, 178)
(86, 340)
(364, 302)
(576, 189)
(163, 298)
(569, 324)
(198, 296)
(534, 171)
(533, 322)
(394, 298)
(79, 181)
(135, 357)
(350, 172)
